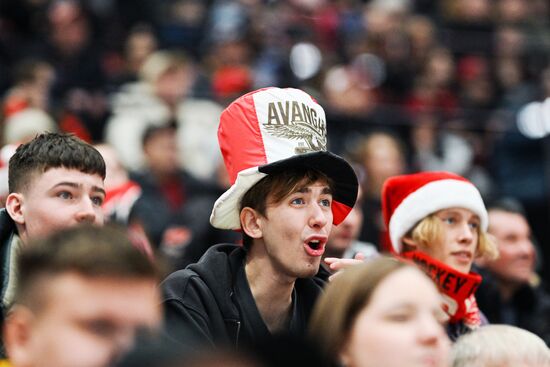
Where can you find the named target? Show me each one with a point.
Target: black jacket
(7, 257)
(7, 252)
(210, 303)
(529, 307)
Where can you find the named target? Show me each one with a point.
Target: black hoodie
(210, 302)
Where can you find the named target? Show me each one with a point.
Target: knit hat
(407, 199)
(268, 131)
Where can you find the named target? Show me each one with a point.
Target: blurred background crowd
(455, 85)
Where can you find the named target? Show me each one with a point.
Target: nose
(466, 234)
(526, 248)
(319, 216)
(86, 211)
(430, 331)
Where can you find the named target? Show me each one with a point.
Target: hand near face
(336, 264)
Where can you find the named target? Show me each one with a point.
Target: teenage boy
(83, 295)
(286, 193)
(55, 181)
(438, 220)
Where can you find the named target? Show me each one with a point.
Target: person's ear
(17, 335)
(15, 207)
(251, 222)
(409, 244)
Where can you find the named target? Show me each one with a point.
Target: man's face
(56, 199)
(516, 261)
(161, 152)
(88, 322)
(295, 230)
(460, 234)
(343, 235)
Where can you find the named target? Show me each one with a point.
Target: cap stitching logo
(297, 121)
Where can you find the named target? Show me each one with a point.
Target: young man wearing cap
(286, 193)
(439, 221)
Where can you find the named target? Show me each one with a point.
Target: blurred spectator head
(342, 236)
(140, 43)
(170, 75)
(381, 17)
(500, 346)
(422, 33)
(24, 125)
(382, 155)
(467, 11)
(31, 86)
(82, 295)
(512, 11)
(475, 81)
(509, 41)
(345, 93)
(69, 25)
(509, 73)
(516, 263)
(381, 313)
(160, 147)
(440, 68)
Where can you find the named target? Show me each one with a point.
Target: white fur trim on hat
(430, 198)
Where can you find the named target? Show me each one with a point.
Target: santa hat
(268, 131)
(407, 199)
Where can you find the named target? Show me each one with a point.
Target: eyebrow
(78, 186)
(305, 189)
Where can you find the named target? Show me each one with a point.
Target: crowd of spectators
(408, 86)
(456, 85)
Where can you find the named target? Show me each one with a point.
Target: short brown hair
(429, 231)
(52, 150)
(276, 187)
(86, 250)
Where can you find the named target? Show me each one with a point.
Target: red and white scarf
(457, 288)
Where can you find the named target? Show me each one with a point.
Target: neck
(272, 293)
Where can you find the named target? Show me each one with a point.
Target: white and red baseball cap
(268, 131)
(407, 199)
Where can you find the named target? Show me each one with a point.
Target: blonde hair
(500, 346)
(429, 231)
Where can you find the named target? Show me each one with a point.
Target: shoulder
(212, 274)
(182, 284)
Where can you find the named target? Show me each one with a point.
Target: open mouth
(315, 246)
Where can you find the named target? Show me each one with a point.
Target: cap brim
(225, 214)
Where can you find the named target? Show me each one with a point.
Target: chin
(308, 273)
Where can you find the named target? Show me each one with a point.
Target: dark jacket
(8, 250)
(210, 302)
(7, 258)
(529, 307)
